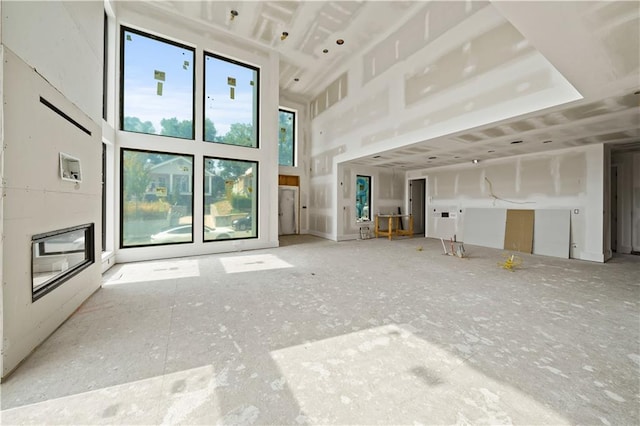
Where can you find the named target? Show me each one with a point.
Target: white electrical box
(70, 168)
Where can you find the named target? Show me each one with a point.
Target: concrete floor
(359, 332)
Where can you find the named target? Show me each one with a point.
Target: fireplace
(59, 255)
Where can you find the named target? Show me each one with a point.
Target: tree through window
(157, 198)
(230, 101)
(286, 138)
(157, 85)
(363, 198)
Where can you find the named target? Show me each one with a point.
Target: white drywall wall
(450, 68)
(37, 200)
(485, 227)
(479, 71)
(63, 42)
(551, 232)
(565, 179)
(388, 192)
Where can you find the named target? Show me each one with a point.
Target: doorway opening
(417, 205)
(287, 210)
(614, 209)
(288, 204)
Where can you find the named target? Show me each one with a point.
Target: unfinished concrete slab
(358, 332)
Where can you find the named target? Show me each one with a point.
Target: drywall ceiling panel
(551, 233)
(519, 230)
(485, 227)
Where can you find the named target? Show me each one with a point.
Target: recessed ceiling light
(296, 79)
(325, 50)
(475, 161)
(546, 141)
(339, 42)
(515, 142)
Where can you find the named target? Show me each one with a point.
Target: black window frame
(294, 138)
(150, 151)
(256, 191)
(369, 196)
(204, 96)
(104, 197)
(105, 64)
(124, 29)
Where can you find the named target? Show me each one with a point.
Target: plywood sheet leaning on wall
(485, 227)
(518, 234)
(551, 232)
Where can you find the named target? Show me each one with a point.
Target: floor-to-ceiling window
(160, 188)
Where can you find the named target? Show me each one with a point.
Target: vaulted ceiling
(595, 46)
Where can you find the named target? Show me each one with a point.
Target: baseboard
(348, 237)
(592, 257)
(322, 235)
(624, 249)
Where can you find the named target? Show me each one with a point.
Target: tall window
(104, 197)
(230, 199)
(156, 198)
(230, 102)
(157, 92)
(105, 63)
(363, 198)
(286, 138)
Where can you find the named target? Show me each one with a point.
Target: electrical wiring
(495, 197)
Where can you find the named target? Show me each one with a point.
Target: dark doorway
(417, 204)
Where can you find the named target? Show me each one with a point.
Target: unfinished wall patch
(431, 22)
(332, 94)
(488, 51)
